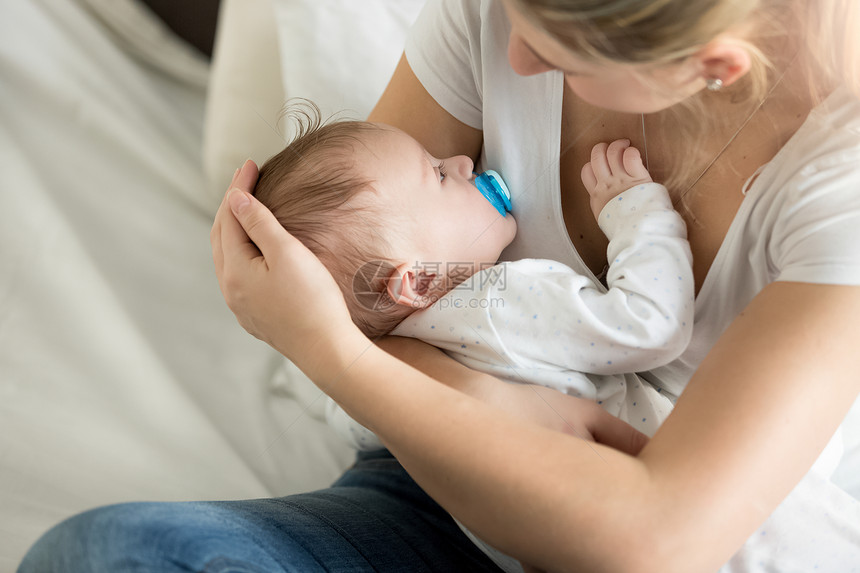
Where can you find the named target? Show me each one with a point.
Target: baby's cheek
(512, 222)
(508, 230)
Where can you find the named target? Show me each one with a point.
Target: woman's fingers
(256, 230)
(244, 179)
(247, 176)
(610, 431)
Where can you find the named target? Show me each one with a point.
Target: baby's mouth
(493, 188)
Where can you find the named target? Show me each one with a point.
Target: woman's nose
(523, 60)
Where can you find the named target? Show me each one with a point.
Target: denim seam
(389, 524)
(256, 541)
(335, 527)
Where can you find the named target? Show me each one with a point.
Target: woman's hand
(574, 416)
(538, 405)
(278, 289)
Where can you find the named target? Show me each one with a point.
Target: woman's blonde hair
(826, 34)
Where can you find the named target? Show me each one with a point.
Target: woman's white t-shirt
(799, 221)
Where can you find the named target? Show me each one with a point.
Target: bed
(123, 375)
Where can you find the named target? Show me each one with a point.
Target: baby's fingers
(599, 163)
(633, 164)
(610, 431)
(614, 155)
(588, 178)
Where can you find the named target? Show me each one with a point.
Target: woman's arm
(536, 404)
(751, 422)
(749, 425)
(406, 105)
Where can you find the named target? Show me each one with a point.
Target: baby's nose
(464, 165)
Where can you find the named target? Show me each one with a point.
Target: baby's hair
(314, 189)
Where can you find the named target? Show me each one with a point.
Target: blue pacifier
(491, 186)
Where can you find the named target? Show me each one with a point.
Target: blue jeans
(374, 518)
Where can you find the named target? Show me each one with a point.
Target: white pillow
(338, 53)
(341, 53)
(245, 94)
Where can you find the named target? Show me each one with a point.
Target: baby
(414, 246)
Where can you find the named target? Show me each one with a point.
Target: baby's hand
(613, 169)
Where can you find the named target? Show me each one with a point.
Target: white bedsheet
(123, 376)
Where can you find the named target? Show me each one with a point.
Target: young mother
(750, 112)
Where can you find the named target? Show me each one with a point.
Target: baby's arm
(645, 318)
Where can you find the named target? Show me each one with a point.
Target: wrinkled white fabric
(123, 375)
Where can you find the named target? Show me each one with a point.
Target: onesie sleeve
(444, 51)
(816, 237)
(644, 318)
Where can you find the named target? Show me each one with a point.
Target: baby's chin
(507, 236)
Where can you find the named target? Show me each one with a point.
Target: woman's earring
(714, 84)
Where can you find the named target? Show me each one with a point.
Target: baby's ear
(411, 286)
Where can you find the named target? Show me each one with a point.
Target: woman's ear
(723, 59)
(411, 286)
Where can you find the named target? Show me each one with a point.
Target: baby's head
(395, 226)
